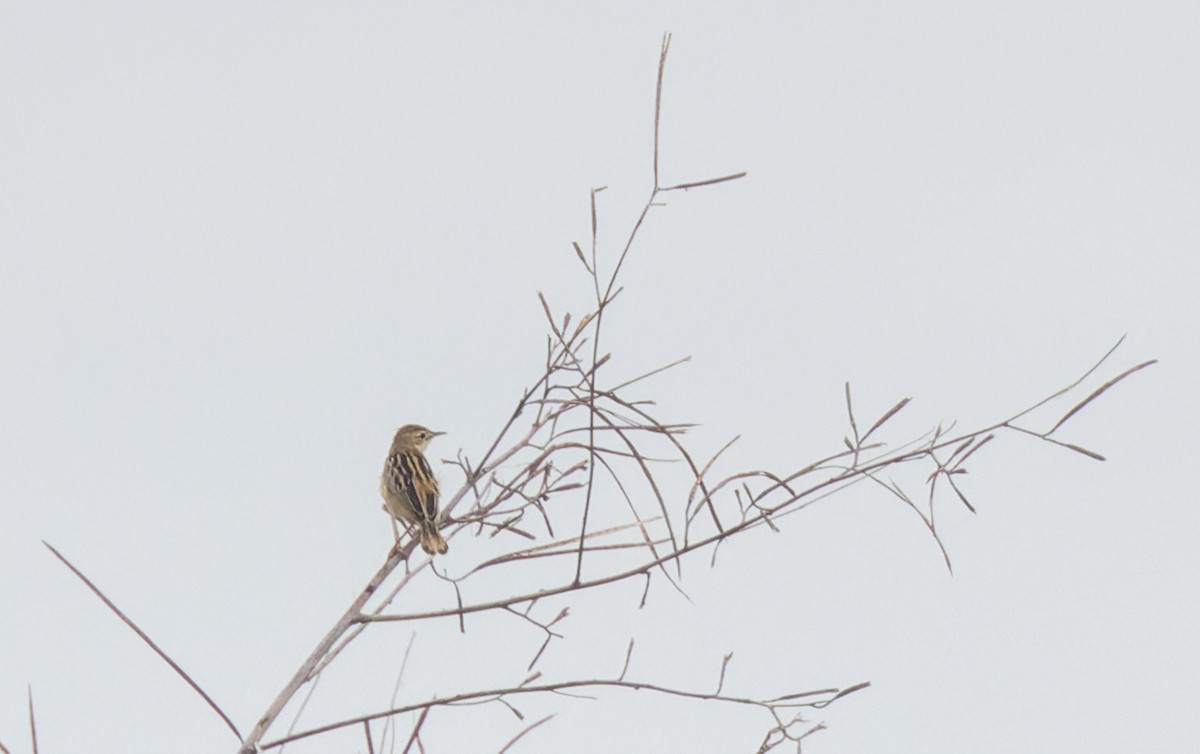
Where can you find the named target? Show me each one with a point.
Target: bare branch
(1073, 385)
(348, 619)
(146, 639)
(525, 730)
(846, 475)
(367, 734)
(312, 689)
(416, 731)
(724, 665)
(816, 699)
(704, 182)
(662, 64)
(32, 721)
(883, 419)
(628, 656)
(853, 424)
(651, 373)
(1098, 392)
(389, 727)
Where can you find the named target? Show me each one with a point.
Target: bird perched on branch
(409, 488)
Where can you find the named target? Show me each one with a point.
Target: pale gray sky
(241, 243)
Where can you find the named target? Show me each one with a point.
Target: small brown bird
(409, 488)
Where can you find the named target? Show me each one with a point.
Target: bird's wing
(417, 482)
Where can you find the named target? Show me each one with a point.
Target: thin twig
(312, 689)
(662, 64)
(416, 731)
(525, 730)
(705, 182)
(32, 721)
(1098, 391)
(391, 723)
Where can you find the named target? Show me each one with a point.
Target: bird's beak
(436, 434)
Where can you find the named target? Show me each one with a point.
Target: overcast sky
(240, 243)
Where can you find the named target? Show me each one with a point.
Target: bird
(409, 488)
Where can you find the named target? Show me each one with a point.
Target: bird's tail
(432, 541)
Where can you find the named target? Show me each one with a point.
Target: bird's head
(414, 437)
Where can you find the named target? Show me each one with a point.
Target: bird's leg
(396, 533)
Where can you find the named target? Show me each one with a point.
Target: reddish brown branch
(795, 700)
(145, 639)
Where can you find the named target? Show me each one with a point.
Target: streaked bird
(409, 488)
